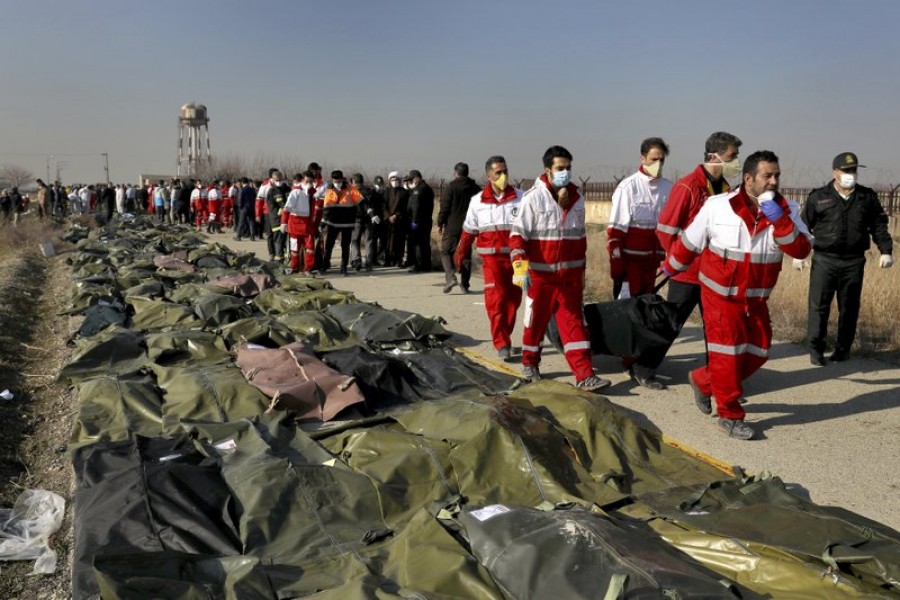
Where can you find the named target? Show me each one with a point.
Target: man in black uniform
(843, 217)
(420, 212)
(454, 204)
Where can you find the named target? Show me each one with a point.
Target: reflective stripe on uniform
(788, 238)
(738, 349)
(688, 244)
(733, 291)
(741, 256)
(586, 345)
(551, 267)
(667, 228)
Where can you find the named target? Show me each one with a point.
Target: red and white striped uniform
(298, 214)
(740, 255)
(214, 203)
(488, 225)
(553, 240)
(634, 250)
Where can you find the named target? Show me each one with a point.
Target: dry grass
(878, 331)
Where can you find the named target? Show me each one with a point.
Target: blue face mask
(560, 178)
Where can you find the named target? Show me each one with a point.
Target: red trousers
(307, 245)
(641, 276)
(214, 211)
(228, 212)
(501, 298)
(739, 335)
(549, 296)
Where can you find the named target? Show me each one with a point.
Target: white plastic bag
(625, 292)
(26, 528)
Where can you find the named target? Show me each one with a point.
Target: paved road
(835, 431)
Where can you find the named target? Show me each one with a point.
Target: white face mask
(730, 169)
(848, 180)
(653, 169)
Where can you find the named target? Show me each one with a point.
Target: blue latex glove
(666, 269)
(769, 207)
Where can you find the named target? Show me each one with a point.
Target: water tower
(193, 138)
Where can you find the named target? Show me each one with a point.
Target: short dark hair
(357, 178)
(461, 169)
(751, 164)
(654, 142)
(555, 152)
(492, 161)
(298, 177)
(271, 171)
(337, 174)
(720, 141)
(244, 180)
(308, 174)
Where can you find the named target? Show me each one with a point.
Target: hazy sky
(380, 84)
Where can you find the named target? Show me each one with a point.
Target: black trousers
(449, 244)
(275, 241)
(396, 243)
(686, 297)
(331, 235)
(246, 226)
(833, 275)
(418, 247)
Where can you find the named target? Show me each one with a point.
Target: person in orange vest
(298, 222)
(339, 218)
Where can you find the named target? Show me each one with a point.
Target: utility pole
(105, 156)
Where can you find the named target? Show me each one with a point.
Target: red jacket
(262, 208)
(489, 222)
(551, 238)
(740, 250)
(685, 200)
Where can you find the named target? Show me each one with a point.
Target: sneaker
(449, 286)
(531, 373)
(504, 353)
(592, 383)
(736, 428)
(649, 381)
(839, 356)
(816, 358)
(702, 401)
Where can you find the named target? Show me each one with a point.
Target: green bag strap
(616, 589)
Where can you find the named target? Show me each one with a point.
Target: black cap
(846, 160)
(412, 175)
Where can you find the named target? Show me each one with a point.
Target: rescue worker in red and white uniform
(229, 199)
(740, 239)
(487, 224)
(634, 251)
(548, 248)
(687, 197)
(214, 208)
(298, 222)
(261, 210)
(200, 204)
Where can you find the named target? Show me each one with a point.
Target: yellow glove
(520, 273)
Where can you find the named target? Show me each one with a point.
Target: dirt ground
(35, 425)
